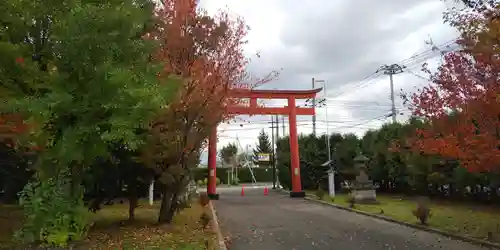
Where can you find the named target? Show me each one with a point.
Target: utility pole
(327, 137)
(283, 123)
(273, 158)
(314, 106)
(275, 169)
(392, 70)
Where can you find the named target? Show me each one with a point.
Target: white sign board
(264, 157)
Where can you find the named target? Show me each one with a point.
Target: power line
(362, 123)
(410, 62)
(450, 45)
(343, 124)
(398, 68)
(361, 84)
(417, 75)
(378, 118)
(298, 121)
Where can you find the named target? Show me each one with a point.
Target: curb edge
(216, 227)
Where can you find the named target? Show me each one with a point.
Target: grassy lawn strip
(113, 231)
(464, 219)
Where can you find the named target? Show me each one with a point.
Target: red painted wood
(269, 111)
(274, 94)
(253, 102)
(294, 148)
(212, 162)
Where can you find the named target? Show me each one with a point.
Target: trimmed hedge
(261, 174)
(284, 176)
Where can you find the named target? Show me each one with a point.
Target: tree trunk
(132, 198)
(76, 180)
(11, 190)
(168, 206)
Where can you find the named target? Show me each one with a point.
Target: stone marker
(363, 190)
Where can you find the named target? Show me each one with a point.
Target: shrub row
(244, 175)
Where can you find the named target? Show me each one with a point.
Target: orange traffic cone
(242, 190)
(266, 191)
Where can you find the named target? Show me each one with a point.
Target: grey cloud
(342, 39)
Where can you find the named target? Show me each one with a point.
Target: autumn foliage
(12, 127)
(462, 105)
(206, 53)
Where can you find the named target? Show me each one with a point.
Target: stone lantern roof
(360, 158)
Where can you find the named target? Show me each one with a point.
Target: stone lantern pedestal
(363, 190)
(331, 177)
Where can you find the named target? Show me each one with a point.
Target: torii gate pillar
(294, 151)
(212, 165)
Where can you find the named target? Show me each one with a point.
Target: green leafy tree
(263, 147)
(81, 76)
(345, 151)
(228, 153)
(387, 167)
(313, 155)
(283, 162)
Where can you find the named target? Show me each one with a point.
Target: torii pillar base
(213, 196)
(300, 194)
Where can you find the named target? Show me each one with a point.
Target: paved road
(277, 222)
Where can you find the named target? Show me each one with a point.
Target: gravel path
(277, 222)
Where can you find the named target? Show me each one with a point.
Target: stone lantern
(363, 190)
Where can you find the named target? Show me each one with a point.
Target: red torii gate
(291, 110)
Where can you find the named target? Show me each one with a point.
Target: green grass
(10, 221)
(112, 230)
(465, 219)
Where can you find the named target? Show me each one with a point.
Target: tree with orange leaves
(462, 104)
(207, 53)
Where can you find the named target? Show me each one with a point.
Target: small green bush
(320, 193)
(422, 211)
(218, 182)
(53, 214)
(205, 181)
(351, 201)
(200, 183)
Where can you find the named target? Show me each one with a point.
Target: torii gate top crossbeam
(290, 95)
(274, 94)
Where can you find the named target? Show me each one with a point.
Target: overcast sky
(341, 42)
